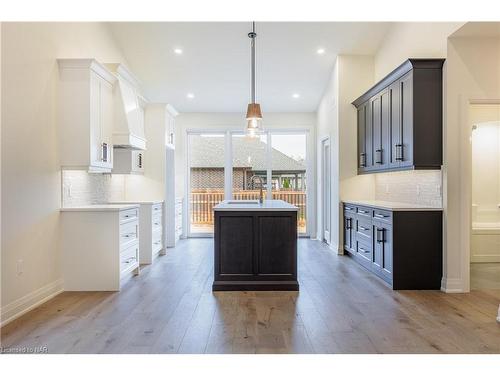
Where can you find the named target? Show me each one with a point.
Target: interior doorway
(485, 210)
(326, 189)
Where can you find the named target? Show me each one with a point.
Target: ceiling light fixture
(178, 51)
(190, 96)
(296, 96)
(254, 114)
(320, 51)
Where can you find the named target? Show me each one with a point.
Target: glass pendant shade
(254, 120)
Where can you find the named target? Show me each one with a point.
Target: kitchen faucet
(261, 192)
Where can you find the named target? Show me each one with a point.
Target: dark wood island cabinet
(255, 246)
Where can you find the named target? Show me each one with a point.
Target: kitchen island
(255, 246)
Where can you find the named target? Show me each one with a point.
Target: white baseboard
(452, 285)
(28, 302)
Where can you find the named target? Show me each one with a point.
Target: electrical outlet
(20, 267)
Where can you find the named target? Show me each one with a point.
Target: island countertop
(254, 205)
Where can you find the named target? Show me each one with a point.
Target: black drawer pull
(381, 216)
(362, 160)
(363, 228)
(399, 152)
(380, 235)
(362, 211)
(363, 250)
(348, 223)
(348, 208)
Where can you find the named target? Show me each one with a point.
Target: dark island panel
(255, 250)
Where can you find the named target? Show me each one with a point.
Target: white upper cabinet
(128, 123)
(85, 115)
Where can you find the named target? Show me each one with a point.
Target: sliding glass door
(288, 161)
(229, 165)
(249, 166)
(206, 164)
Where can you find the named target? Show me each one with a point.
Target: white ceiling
(215, 63)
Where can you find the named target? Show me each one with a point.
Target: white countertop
(392, 206)
(100, 207)
(135, 202)
(268, 205)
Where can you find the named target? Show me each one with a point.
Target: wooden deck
(340, 308)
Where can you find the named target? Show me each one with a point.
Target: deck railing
(203, 201)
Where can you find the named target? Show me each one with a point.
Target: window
(230, 165)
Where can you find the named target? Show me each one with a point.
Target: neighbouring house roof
(208, 152)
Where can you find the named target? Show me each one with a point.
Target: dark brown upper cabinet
(400, 119)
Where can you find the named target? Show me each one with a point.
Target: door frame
(326, 192)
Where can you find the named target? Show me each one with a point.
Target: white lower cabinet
(150, 229)
(99, 246)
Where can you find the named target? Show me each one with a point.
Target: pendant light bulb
(254, 114)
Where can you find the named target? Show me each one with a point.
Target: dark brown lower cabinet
(255, 250)
(404, 248)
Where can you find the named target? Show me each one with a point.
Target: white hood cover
(128, 115)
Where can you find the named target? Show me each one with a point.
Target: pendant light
(254, 114)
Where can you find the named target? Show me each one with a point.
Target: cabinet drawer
(156, 223)
(364, 211)
(157, 241)
(349, 209)
(129, 259)
(157, 208)
(364, 229)
(364, 252)
(128, 215)
(129, 232)
(382, 215)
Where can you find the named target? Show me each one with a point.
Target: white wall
(473, 74)
(485, 163)
(236, 121)
(337, 119)
(412, 39)
(31, 185)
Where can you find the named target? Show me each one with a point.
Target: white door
(326, 188)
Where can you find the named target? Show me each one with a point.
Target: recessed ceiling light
(320, 51)
(296, 96)
(190, 96)
(178, 51)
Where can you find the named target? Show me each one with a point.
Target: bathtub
(485, 242)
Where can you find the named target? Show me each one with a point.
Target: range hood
(128, 114)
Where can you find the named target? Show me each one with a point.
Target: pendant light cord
(252, 35)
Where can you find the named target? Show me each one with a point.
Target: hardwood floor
(485, 275)
(340, 308)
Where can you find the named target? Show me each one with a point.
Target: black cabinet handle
(378, 154)
(399, 152)
(380, 235)
(363, 228)
(381, 216)
(362, 160)
(348, 223)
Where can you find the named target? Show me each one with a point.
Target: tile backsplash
(418, 187)
(83, 188)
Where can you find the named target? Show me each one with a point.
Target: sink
(243, 202)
